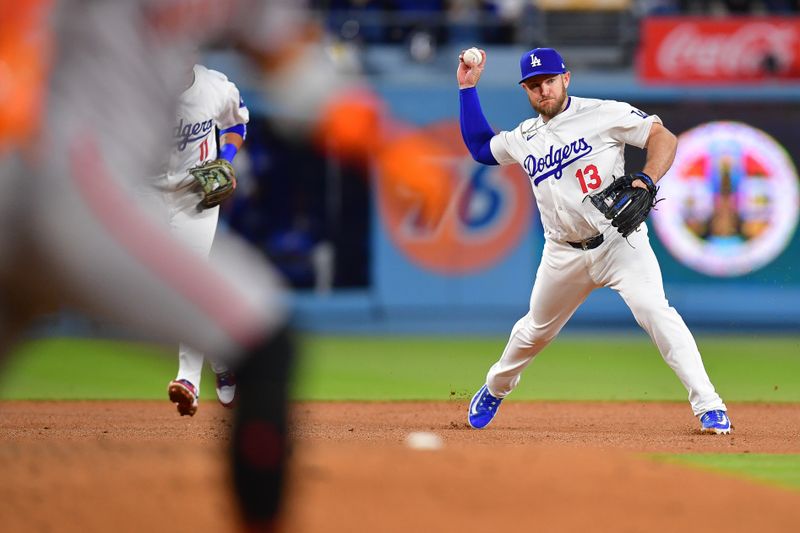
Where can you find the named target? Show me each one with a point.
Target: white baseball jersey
(574, 154)
(211, 101)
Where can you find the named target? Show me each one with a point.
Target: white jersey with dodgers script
(211, 101)
(574, 154)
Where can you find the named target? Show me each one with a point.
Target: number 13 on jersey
(589, 178)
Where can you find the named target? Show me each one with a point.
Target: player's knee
(537, 333)
(645, 311)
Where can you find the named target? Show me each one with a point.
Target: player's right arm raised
(475, 129)
(468, 76)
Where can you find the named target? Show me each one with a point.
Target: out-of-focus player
(94, 84)
(210, 103)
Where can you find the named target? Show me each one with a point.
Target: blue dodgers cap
(541, 61)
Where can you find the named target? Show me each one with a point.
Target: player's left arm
(232, 121)
(231, 140)
(218, 178)
(661, 147)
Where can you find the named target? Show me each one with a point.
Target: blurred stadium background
(395, 309)
(726, 234)
(723, 74)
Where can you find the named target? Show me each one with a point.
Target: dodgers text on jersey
(554, 163)
(190, 132)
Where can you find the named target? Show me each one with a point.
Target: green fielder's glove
(217, 180)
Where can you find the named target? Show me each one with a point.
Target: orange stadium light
(25, 42)
(354, 127)
(350, 125)
(414, 177)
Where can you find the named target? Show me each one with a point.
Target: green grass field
(775, 469)
(751, 368)
(412, 368)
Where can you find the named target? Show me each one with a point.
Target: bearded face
(547, 93)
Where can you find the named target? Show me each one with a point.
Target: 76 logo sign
(589, 178)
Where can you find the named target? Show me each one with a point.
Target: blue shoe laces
(714, 418)
(485, 400)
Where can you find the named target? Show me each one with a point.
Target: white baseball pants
(196, 230)
(565, 278)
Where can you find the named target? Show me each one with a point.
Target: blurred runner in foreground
(92, 86)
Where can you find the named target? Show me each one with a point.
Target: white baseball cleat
(226, 388)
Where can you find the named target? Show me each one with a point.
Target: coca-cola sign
(695, 49)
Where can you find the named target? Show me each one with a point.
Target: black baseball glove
(217, 181)
(625, 205)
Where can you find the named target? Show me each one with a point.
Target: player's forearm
(475, 129)
(661, 148)
(229, 143)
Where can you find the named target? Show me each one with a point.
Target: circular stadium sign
(731, 200)
(473, 219)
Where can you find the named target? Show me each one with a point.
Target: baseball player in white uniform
(92, 87)
(209, 104)
(575, 147)
(91, 116)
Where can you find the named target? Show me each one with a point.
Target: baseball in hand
(471, 57)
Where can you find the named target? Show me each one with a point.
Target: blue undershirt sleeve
(475, 129)
(228, 151)
(241, 129)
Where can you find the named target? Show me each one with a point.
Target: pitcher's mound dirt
(138, 466)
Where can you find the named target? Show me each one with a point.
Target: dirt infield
(542, 466)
